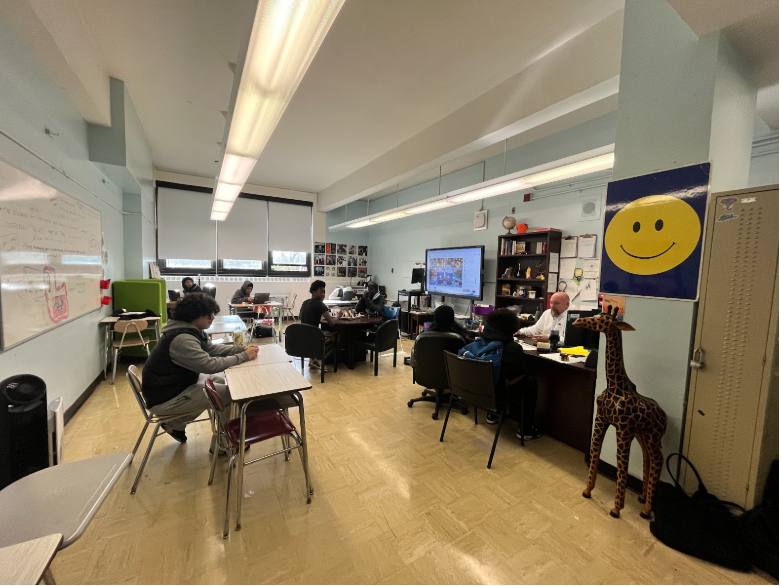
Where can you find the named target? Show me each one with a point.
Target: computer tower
(24, 427)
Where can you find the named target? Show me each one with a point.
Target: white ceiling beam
(57, 35)
(577, 74)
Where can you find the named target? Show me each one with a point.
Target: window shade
(290, 227)
(184, 229)
(242, 236)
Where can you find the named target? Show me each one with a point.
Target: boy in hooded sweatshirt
(500, 325)
(180, 363)
(189, 286)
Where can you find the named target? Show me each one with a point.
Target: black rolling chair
(210, 289)
(305, 341)
(385, 338)
(472, 381)
(428, 367)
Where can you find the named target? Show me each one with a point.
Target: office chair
(428, 367)
(385, 338)
(305, 341)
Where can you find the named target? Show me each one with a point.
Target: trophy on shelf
(508, 273)
(540, 271)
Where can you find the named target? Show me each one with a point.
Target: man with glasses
(175, 372)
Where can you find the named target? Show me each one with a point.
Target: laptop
(173, 295)
(261, 298)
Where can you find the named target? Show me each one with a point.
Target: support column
(682, 100)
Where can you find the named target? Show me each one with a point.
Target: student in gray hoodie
(177, 368)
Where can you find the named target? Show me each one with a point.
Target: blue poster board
(654, 226)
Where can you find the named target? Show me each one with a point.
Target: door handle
(696, 361)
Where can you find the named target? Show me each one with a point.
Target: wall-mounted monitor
(456, 272)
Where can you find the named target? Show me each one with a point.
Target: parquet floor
(392, 505)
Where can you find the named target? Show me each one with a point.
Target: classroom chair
(287, 309)
(305, 341)
(428, 367)
(134, 378)
(259, 427)
(385, 338)
(134, 327)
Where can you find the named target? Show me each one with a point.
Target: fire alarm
(527, 197)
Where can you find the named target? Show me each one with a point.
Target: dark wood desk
(349, 350)
(565, 399)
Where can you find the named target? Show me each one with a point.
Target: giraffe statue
(632, 414)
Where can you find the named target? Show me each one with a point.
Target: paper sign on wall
(569, 247)
(589, 290)
(587, 246)
(591, 269)
(568, 268)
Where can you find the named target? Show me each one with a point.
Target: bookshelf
(520, 252)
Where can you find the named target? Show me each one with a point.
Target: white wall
(67, 358)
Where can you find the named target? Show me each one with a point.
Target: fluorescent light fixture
(388, 217)
(362, 224)
(219, 216)
(227, 192)
(236, 169)
(286, 35)
(600, 163)
(222, 206)
(429, 207)
(490, 191)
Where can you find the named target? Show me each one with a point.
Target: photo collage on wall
(341, 260)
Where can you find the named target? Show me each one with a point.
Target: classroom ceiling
(385, 71)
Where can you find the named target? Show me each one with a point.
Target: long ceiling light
(596, 160)
(286, 35)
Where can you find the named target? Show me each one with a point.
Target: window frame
(303, 274)
(184, 271)
(221, 270)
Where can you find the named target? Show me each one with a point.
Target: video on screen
(455, 271)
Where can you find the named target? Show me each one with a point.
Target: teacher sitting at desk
(372, 302)
(176, 370)
(551, 319)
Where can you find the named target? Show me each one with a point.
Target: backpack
(481, 349)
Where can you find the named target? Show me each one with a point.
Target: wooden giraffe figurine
(632, 414)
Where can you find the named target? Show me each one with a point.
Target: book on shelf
(546, 230)
(506, 289)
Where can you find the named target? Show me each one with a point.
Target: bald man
(551, 319)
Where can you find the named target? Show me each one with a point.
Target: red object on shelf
(546, 230)
(106, 300)
(105, 283)
(521, 228)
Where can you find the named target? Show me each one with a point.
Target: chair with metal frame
(384, 338)
(307, 341)
(134, 327)
(134, 378)
(287, 309)
(260, 426)
(472, 381)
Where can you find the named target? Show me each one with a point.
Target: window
(286, 261)
(242, 265)
(185, 266)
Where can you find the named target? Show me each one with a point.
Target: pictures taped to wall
(329, 258)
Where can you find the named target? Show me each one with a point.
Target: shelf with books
(526, 254)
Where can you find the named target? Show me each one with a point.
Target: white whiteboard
(50, 257)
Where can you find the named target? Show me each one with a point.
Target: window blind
(290, 227)
(184, 230)
(242, 236)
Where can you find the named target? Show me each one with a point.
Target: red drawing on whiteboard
(56, 296)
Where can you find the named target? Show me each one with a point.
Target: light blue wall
(69, 357)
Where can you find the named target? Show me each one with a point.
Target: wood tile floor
(392, 505)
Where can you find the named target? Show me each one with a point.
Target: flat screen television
(456, 272)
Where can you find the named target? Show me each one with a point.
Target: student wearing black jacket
(445, 321)
(189, 286)
(500, 325)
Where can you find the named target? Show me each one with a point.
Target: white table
(265, 382)
(108, 324)
(340, 303)
(276, 311)
(28, 562)
(225, 324)
(267, 354)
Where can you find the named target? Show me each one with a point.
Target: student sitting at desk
(500, 325)
(189, 286)
(372, 302)
(177, 368)
(243, 294)
(551, 319)
(312, 310)
(445, 321)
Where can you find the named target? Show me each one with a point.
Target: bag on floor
(263, 332)
(488, 351)
(760, 527)
(700, 525)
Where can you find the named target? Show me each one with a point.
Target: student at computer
(372, 302)
(312, 310)
(516, 379)
(175, 372)
(551, 319)
(189, 286)
(243, 294)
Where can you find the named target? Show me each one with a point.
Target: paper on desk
(557, 358)
(591, 269)
(589, 290)
(569, 247)
(553, 265)
(587, 246)
(567, 268)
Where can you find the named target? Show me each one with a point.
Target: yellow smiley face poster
(652, 243)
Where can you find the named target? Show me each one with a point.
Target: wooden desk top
(113, 320)
(25, 563)
(267, 354)
(266, 380)
(538, 356)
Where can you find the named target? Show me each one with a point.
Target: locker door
(735, 320)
